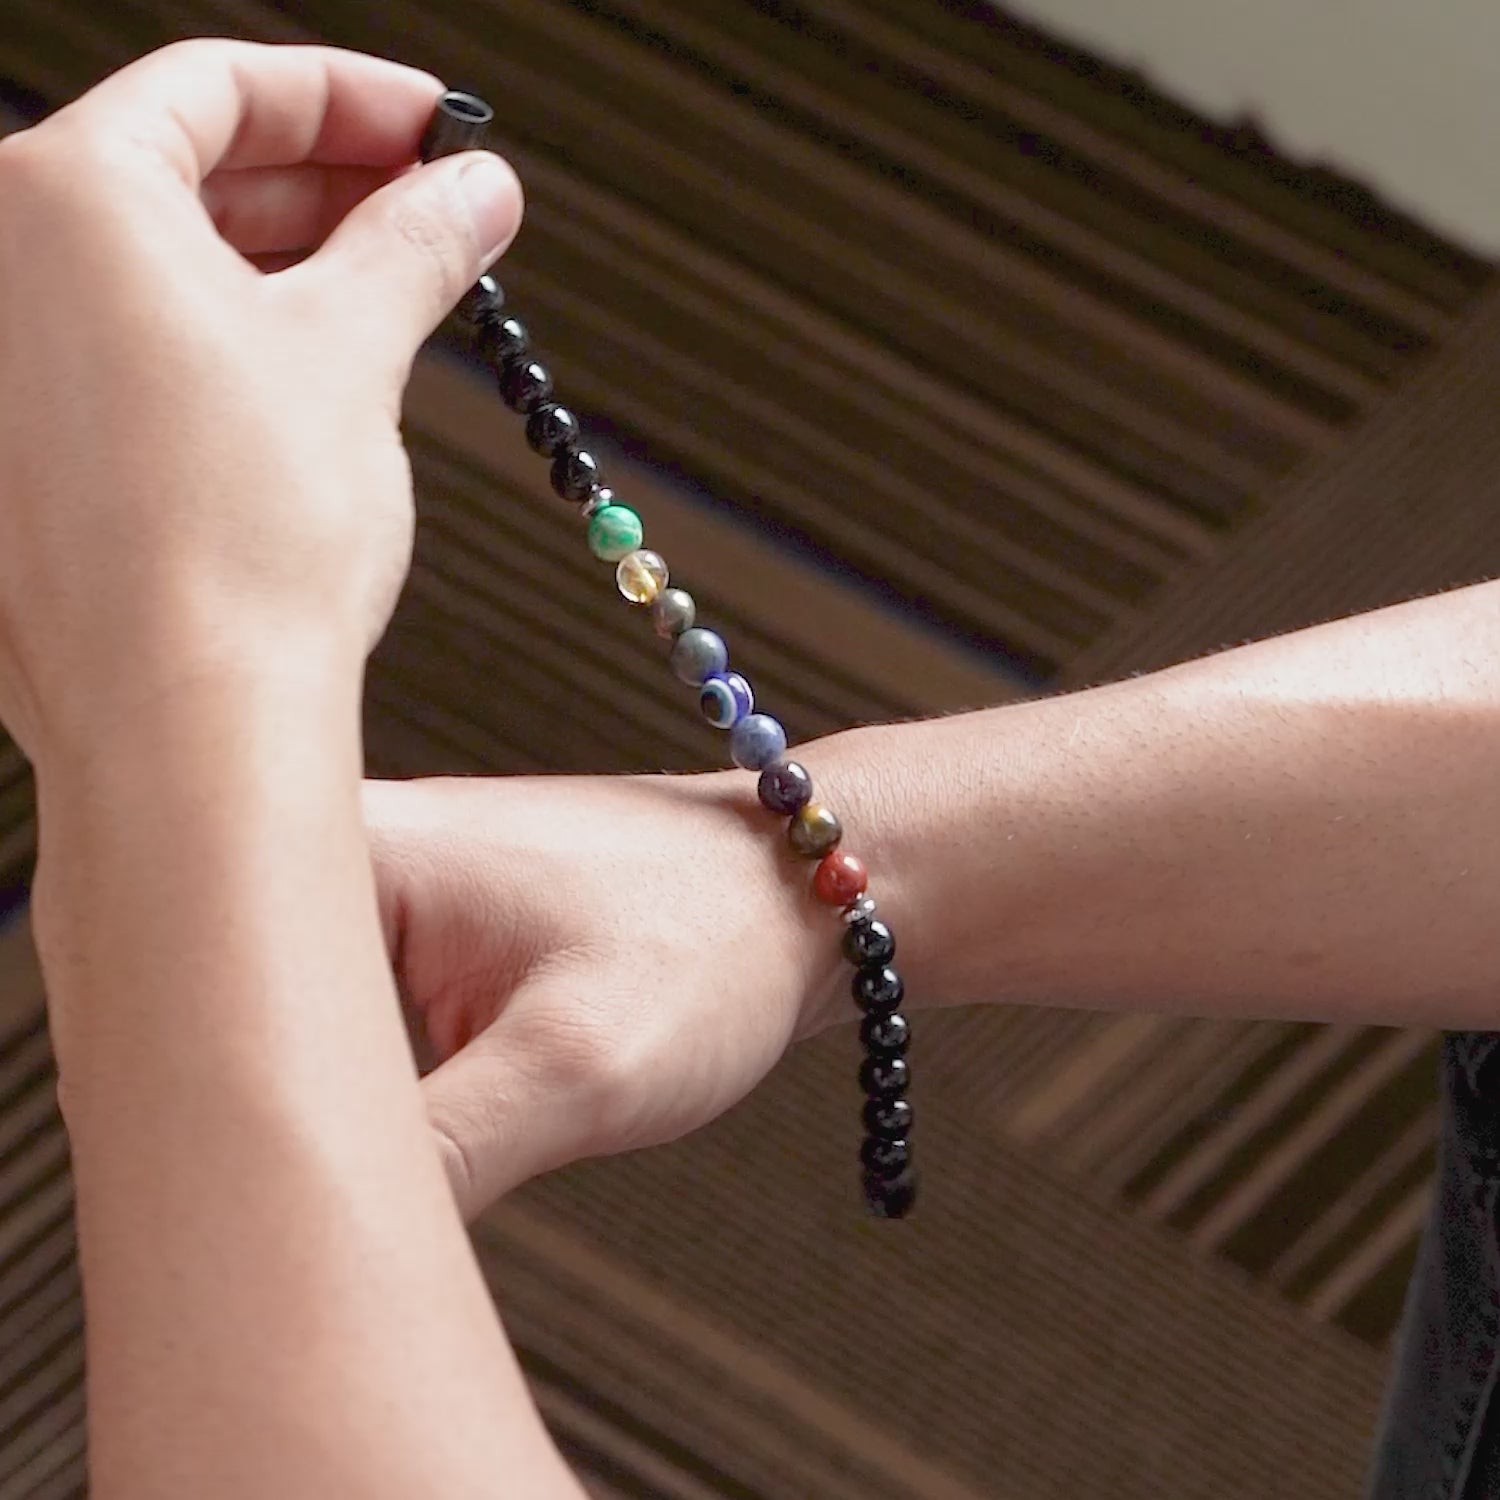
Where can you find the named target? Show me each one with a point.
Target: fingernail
(493, 194)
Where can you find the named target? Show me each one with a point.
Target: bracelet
(699, 657)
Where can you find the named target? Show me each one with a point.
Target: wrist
(921, 806)
(79, 698)
(219, 703)
(774, 891)
(231, 759)
(863, 776)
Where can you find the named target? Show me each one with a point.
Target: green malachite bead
(614, 531)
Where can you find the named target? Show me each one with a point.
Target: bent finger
(208, 104)
(280, 210)
(413, 248)
(495, 1129)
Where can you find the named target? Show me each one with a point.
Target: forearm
(1309, 826)
(277, 1280)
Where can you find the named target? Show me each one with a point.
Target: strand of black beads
(815, 832)
(700, 658)
(890, 1180)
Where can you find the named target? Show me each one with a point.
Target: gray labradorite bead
(673, 612)
(698, 655)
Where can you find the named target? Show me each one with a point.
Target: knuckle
(62, 170)
(207, 51)
(192, 49)
(580, 1055)
(601, 1062)
(24, 166)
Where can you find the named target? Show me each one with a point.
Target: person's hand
(597, 963)
(200, 461)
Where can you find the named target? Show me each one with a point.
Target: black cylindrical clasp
(458, 124)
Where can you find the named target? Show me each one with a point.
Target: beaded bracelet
(757, 742)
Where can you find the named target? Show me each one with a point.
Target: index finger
(209, 104)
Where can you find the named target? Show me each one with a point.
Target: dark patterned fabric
(1440, 1438)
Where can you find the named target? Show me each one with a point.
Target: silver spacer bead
(595, 503)
(861, 911)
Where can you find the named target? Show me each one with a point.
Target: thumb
(400, 260)
(518, 1101)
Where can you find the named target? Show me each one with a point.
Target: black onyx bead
(885, 1159)
(884, 1077)
(878, 988)
(891, 1119)
(891, 1198)
(784, 788)
(869, 944)
(550, 429)
(525, 384)
(575, 472)
(503, 340)
(482, 302)
(886, 1035)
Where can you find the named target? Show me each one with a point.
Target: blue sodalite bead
(726, 699)
(698, 655)
(757, 742)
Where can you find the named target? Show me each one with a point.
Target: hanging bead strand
(700, 658)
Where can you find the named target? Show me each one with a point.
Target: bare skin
(1300, 828)
(207, 519)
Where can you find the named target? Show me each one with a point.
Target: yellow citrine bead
(641, 575)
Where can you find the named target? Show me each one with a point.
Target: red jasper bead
(840, 880)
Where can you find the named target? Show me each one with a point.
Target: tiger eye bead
(613, 532)
(673, 612)
(840, 879)
(814, 831)
(641, 575)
